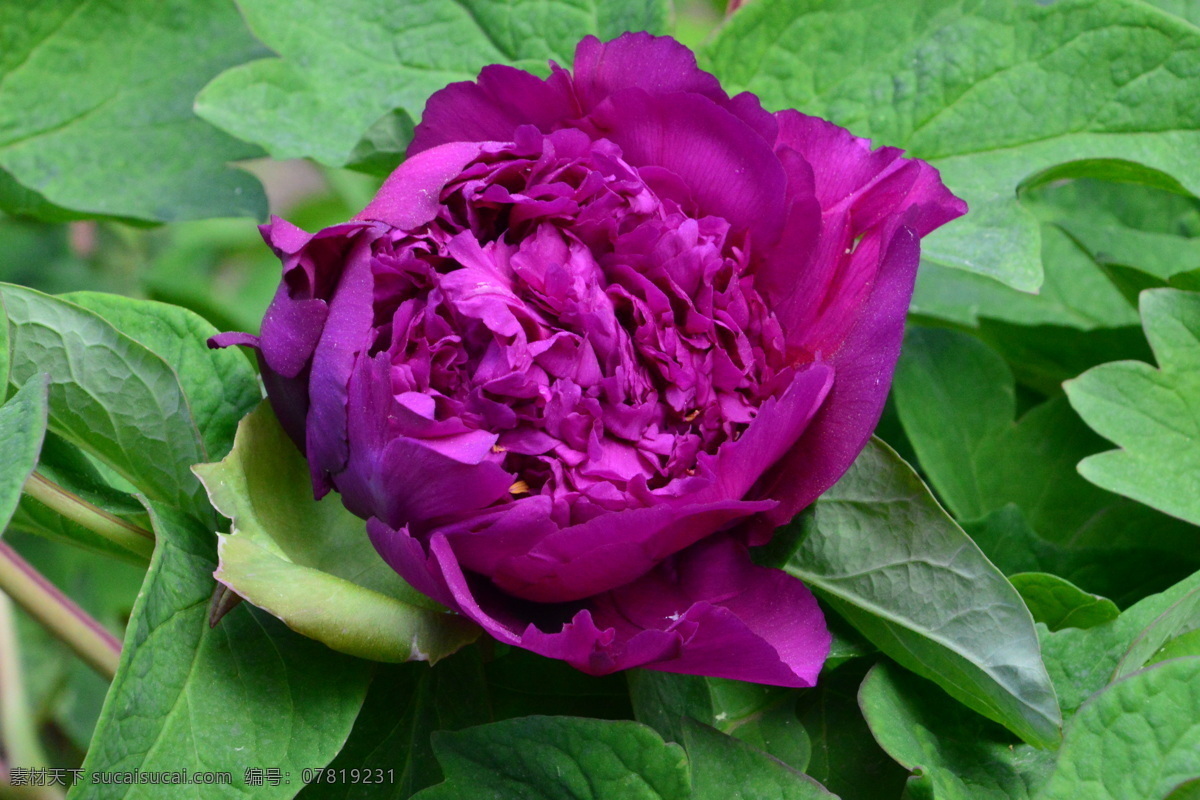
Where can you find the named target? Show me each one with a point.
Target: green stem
(18, 732)
(121, 532)
(54, 610)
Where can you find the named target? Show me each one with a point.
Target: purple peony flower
(598, 335)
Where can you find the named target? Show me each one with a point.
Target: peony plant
(598, 335)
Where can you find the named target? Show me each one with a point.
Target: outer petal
(707, 611)
(345, 334)
(657, 64)
(411, 195)
(738, 620)
(503, 99)
(858, 191)
(863, 366)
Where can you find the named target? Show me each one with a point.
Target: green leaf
(96, 114)
(1188, 790)
(951, 388)
(724, 768)
(351, 78)
(310, 563)
(248, 693)
(405, 705)
(1187, 644)
(1137, 739)
(845, 756)
(220, 385)
(109, 395)
(1187, 9)
(559, 758)
(22, 426)
(763, 716)
(992, 93)
(1057, 603)
(1075, 293)
(1125, 574)
(1180, 619)
(521, 683)
(1081, 662)
(954, 754)
(1152, 414)
(884, 555)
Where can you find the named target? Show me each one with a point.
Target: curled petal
(707, 611)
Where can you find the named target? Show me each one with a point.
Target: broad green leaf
(1187, 644)
(1188, 790)
(950, 387)
(521, 683)
(310, 563)
(763, 716)
(1125, 574)
(247, 693)
(1152, 414)
(1138, 739)
(1180, 619)
(993, 93)
(1081, 662)
(352, 78)
(954, 754)
(1043, 356)
(405, 705)
(96, 110)
(845, 756)
(1187, 9)
(109, 395)
(22, 426)
(1075, 293)
(220, 385)
(882, 553)
(962, 383)
(724, 768)
(559, 758)
(1057, 603)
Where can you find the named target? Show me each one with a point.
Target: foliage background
(1017, 612)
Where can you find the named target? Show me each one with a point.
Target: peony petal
(411, 195)
(612, 549)
(347, 332)
(731, 171)
(658, 64)
(405, 554)
(778, 425)
(738, 620)
(493, 108)
(401, 479)
(709, 611)
(863, 365)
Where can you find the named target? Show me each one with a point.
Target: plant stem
(18, 732)
(121, 532)
(54, 610)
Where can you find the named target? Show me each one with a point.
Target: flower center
(604, 336)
